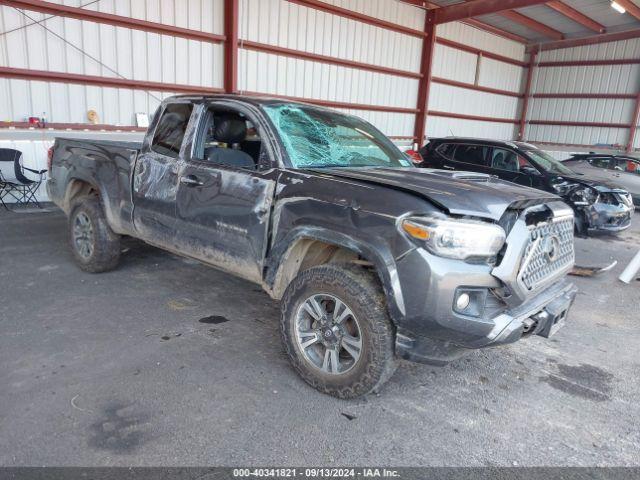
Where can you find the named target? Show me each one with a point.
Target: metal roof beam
(360, 17)
(111, 19)
(576, 16)
(631, 8)
(475, 8)
(532, 24)
(495, 30)
(590, 40)
(473, 22)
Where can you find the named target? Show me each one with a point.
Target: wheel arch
(308, 247)
(77, 187)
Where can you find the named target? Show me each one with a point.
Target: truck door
(225, 192)
(155, 175)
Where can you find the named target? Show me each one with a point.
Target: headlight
(459, 239)
(562, 187)
(584, 196)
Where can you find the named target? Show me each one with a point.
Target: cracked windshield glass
(317, 138)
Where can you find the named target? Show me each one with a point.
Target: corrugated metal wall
(280, 23)
(110, 52)
(120, 52)
(453, 64)
(284, 24)
(82, 47)
(605, 79)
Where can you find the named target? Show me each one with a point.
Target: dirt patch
(214, 319)
(585, 381)
(119, 430)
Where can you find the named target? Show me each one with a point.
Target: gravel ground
(168, 362)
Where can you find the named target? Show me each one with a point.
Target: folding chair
(19, 187)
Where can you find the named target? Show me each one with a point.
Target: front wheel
(337, 330)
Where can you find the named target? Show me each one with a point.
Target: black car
(621, 169)
(598, 205)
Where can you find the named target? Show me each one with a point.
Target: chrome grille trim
(523, 269)
(539, 267)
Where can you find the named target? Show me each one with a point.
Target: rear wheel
(94, 245)
(337, 331)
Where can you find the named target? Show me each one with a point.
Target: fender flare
(71, 181)
(103, 198)
(379, 256)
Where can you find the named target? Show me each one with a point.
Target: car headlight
(452, 238)
(562, 187)
(584, 196)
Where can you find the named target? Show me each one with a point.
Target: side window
(230, 138)
(625, 165)
(633, 167)
(171, 128)
(473, 154)
(503, 159)
(600, 162)
(446, 150)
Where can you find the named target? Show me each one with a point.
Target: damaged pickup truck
(371, 258)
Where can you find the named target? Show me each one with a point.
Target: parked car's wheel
(337, 330)
(94, 245)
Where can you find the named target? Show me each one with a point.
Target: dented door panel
(223, 216)
(155, 185)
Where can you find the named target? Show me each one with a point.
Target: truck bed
(103, 164)
(104, 143)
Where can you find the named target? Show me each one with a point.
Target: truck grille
(548, 254)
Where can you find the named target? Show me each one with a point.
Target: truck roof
(251, 99)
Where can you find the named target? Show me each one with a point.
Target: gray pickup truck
(371, 258)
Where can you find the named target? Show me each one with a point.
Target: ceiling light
(617, 7)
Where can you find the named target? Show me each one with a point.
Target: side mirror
(528, 169)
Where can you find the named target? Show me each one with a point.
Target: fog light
(462, 302)
(470, 301)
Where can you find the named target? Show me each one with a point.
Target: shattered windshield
(317, 138)
(548, 163)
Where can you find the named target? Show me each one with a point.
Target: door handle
(191, 180)
(448, 167)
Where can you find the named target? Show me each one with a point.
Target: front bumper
(602, 217)
(541, 315)
(525, 293)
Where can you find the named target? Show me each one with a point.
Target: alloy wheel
(328, 334)
(83, 237)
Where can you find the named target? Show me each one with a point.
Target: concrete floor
(118, 369)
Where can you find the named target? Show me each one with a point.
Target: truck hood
(459, 193)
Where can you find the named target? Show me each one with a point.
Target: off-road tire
(360, 290)
(106, 244)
